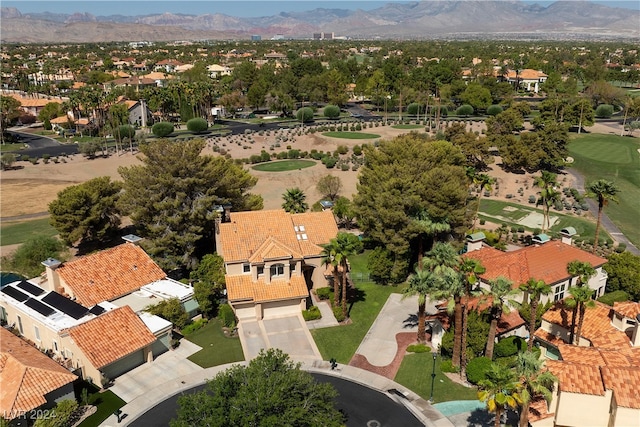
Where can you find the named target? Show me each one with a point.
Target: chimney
(227, 212)
(132, 238)
(53, 279)
(635, 337)
(567, 235)
(474, 241)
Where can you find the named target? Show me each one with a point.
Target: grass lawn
(284, 165)
(415, 374)
(216, 348)
(407, 126)
(351, 135)
(490, 209)
(19, 232)
(107, 402)
(615, 159)
(11, 147)
(341, 342)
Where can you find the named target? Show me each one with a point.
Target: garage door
(245, 311)
(123, 365)
(280, 308)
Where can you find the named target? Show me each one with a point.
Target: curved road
(363, 407)
(40, 145)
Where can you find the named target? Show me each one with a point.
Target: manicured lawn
(351, 135)
(615, 159)
(107, 402)
(11, 147)
(216, 348)
(341, 342)
(19, 232)
(415, 374)
(284, 165)
(407, 126)
(490, 209)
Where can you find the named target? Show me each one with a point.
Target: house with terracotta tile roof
(544, 260)
(527, 78)
(599, 379)
(272, 259)
(29, 380)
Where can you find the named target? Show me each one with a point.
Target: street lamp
(433, 375)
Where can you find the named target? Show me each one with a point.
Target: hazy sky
(235, 8)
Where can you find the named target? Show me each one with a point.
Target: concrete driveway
(288, 333)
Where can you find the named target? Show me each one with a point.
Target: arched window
(277, 270)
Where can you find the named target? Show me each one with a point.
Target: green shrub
(357, 150)
(191, 328)
(464, 110)
(331, 111)
(447, 366)
(418, 348)
(509, 346)
(304, 114)
(616, 296)
(337, 312)
(477, 369)
(494, 110)
(342, 149)
(226, 315)
(162, 129)
(126, 131)
(312, 314)
(621, 247)
(414, 109)
(330, 162)
(604, 111)
(197, 125)
(324, 293)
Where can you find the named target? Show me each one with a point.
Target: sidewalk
(328, 319)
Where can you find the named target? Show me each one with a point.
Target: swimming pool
(456, 407)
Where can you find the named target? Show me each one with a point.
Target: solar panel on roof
(97, 310)
(31, 288)
(14, 293)
(65, 305)
(41, 308)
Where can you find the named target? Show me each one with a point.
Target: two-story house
(272, 259)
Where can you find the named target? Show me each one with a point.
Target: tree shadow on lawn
(355, 295)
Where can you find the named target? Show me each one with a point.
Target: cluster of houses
(85, 318)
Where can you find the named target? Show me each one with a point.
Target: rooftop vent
(540, 238)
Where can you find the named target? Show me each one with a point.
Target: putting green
(284, 165)
(351, 135)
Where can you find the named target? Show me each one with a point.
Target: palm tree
(443, 260)
(329, 258)
(483, 182)
(603, 191)
(347, 245)
(499, 293)
(470, 269)
(548, 194)
(429, 227)
(421, 284)
(534, 382)
(583, 271)
(581, 299)
(500, 390)
(294, 201)
(535, 289)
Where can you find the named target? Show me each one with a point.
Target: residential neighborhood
(450, 225)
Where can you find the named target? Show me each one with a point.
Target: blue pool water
(6, 278)
(456, 407)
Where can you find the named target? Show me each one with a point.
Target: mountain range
(418, 20)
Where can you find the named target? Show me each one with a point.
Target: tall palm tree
(347, 245)
(443, 260)
(482, 182)
(582, 271)
(603, 191)
(499, 293)
(329, 258)
(294, 201)
(534, 382)
(500, 390)
(470, 269)
(581, 299)
(534, 289)
(548, 194)
(426, 226)
(421, 284)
